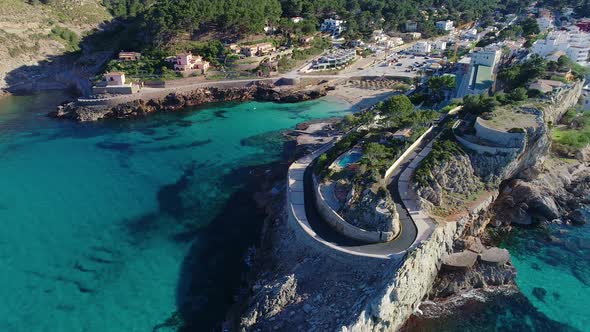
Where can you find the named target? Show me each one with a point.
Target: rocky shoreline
(297, 287)
(179, 101)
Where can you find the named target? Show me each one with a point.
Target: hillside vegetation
(35, 30)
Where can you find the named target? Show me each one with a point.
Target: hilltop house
(305, 40)
(259, 49)
(332, 26)
(421, 47)
(114, 83)
(546, 86)
(402, 134)
(129, 56)
(187, 63)
(411, 26)
(234, 48)
(445, 25)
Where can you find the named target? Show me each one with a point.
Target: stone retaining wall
(406, 153)
(389, 310)
(297, 220)
(497, 136)
(484, 149)
(342, 226)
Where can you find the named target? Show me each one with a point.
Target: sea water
(553, 265)
(116, 225)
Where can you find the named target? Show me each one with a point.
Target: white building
(383, 40)
(397, 41)
(578, 53)
(421, 47)
(574, 42)
(439, 45)
(488, 56)
(471, 34)
(332, 26)
(334, 59)
(445, 25)
(296, 19)
(481, 74)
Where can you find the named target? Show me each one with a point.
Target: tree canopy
(166, 18)
(400, 104)
(521, 74)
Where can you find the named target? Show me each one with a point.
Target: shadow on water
(212, 271)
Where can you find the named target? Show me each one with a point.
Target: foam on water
(95, 217)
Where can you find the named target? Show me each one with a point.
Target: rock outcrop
(533, 188)
(452, 176)
(372, 212)
(556, 191)
(179, 101)
(271, 299)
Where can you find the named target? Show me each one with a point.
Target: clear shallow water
(113, 226)
(554, 273)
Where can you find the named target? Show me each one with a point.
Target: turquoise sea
(553, 275)
(116, 225)
(553, 265)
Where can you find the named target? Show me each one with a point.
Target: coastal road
(416, 225)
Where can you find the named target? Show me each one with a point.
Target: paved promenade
(416, 225)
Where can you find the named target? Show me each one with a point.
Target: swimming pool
(349, 158)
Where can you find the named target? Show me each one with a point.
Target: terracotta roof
(406, 132)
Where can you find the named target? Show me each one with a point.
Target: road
(416, 225)
(409, 230)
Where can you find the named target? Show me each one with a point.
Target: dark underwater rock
(539, 293)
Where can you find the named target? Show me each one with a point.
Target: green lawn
(577, 138)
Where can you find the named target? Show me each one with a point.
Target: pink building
(185, 62)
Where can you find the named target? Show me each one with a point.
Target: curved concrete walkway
(416, 225)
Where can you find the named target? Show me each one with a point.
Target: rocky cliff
(179, 101)
(335, 295)
(531, 188)
(468, 172)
